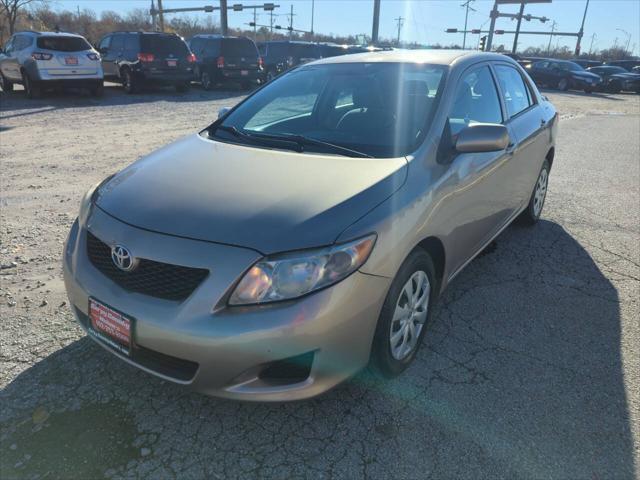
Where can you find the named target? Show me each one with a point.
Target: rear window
(63, 44)
(239, 47)
(164, 44)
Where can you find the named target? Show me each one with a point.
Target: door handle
(543, 122)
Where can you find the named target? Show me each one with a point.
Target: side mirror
(223, 111)
(482, 137)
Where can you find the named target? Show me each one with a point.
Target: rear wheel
(129, 81)
(5, 84)
(183, 87)
(98, 90)
(531, 214)
(615, 87)
(588, 91)
(205, 80)
(405, 315)
(31, 87)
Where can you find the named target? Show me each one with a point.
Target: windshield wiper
(302, 140)
(260, 140)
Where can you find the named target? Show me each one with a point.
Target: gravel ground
(531, 369)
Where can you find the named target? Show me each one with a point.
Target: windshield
(378, 109)
(239, 47)
(63, 44)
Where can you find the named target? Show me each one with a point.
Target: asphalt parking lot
(531, 368)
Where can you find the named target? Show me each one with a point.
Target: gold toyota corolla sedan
(309, 230)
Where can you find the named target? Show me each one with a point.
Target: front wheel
(98, 90)
(531, 214)
(129, 82)
(563, 84)
(405, 315)
(205, 81)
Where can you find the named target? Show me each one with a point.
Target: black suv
(136, 59)
(279, 56)
(226, 59)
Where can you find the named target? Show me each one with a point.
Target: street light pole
(581, 32)
(376, 21)
(515, 38)
(466, 18)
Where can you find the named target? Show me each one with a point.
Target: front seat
(369, 115)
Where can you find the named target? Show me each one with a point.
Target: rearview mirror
(223, 111)
(482, 137)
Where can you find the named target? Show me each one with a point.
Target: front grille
(156, 279)
(172, 367)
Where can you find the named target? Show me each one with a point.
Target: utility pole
(376, 22)
(291, 22)
(493, 15)
(466, 18)
(160, 15)
(581, 32)
(515, 38)
(400, 21)
(271, 25)
(593, 36)
(553, 29)
(255, 19)
(154, 18)
(224, 25)
(312, 11)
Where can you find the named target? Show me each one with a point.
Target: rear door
(527, 125)
(169, 52)
(240, 54)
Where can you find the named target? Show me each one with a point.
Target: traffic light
(483, 43)
(451, 30)
(475, 31)
(499, 32)
(252, 24)
(237, 7)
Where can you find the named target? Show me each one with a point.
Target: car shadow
(520, 376)
(16, 104)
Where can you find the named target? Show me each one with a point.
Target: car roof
(438, 57)
(49, 34)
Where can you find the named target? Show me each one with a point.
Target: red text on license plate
(172, 63)
(110, 325)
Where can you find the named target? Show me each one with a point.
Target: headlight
(291, 275)
(89, 198)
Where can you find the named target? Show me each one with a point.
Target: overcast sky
(424, 21)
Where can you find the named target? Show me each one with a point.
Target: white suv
(40, 60)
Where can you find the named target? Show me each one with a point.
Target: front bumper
(227, 348)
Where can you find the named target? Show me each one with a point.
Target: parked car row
(47, 60)
(567, 75)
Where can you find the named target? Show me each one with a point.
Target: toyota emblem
(123, 259)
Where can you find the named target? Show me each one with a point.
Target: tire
(615, 87)
(98, 90)
(270, 75)
(183, 87)
(206, 81)
(389, 361)
(5, 84)
(31, 88)
(563, 84)
(588, 91)
(129, 81)
(531, 214)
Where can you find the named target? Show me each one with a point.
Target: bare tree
(12, 8)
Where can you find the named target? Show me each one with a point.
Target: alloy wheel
(205, 80)
(409, 315)
(541, 192)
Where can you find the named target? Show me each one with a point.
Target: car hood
(267, 200)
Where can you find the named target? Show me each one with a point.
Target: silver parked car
(309, 230)
(41, 60)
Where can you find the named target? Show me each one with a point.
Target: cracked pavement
(530, 369)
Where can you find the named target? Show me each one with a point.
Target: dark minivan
(282, 55)
(137, 59)
(226, 59)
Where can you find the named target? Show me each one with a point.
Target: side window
(117, 43)
(105, 43)
(195, 45)
(18, 43)
(212, 48)
(131, 42)
(516, 94)
(476, 101)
